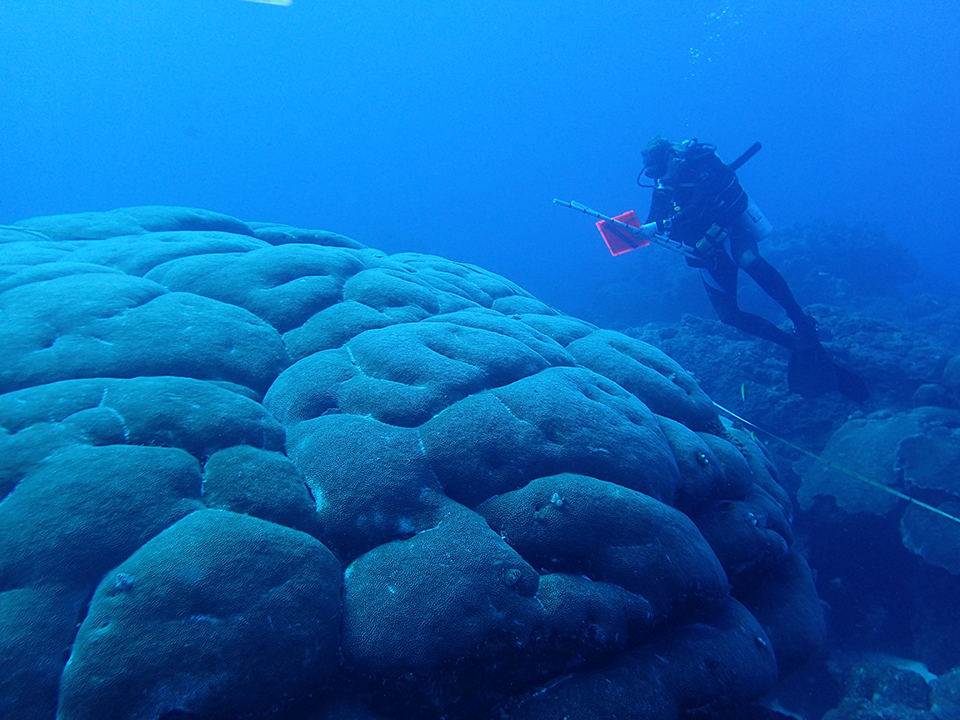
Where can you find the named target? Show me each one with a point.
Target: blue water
(449, 127)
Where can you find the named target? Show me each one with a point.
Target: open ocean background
(447, 128)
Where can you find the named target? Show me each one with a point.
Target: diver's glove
(645, 231)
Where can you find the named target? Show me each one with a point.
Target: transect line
(841, 468)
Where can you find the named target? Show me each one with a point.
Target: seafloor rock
(252, 470)
(884, 687)
(903, 369)
(946, 696)
(914, 453)
(951, 376)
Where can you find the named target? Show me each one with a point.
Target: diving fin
(851, 384)
(811, 372)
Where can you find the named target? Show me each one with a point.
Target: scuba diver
(698, 201)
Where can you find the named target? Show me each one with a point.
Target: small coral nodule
(541, 514)
(511, 576)
(123, 582)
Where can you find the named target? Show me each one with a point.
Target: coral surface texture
(249, 470)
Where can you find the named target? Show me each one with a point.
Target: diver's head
(657, 155)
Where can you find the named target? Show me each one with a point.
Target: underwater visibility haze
(314, 405)
(445, 128)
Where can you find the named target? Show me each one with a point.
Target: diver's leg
(720, 281)
(769, 279)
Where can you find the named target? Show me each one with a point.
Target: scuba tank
(751, 221)
(755, 222)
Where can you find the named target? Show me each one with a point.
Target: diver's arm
(660, 205)
(660, 208)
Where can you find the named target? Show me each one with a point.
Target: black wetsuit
(698, 192)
